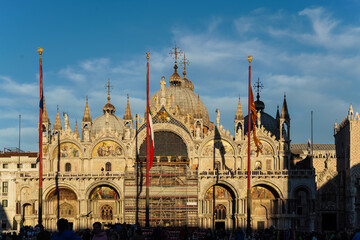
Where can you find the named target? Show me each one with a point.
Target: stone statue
(217, 117)
(66, 119)
(197, 133)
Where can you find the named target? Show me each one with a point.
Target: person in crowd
(99, 234)
(63, 232)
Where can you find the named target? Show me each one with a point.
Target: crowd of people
(135, 232)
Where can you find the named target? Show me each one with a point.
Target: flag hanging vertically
(151, 136)
(254, 119)
(41, 106)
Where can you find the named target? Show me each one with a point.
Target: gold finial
(176, 52)
(147, 55)
(40, 50)
(184, 62)
(250, 59)
(109, 88)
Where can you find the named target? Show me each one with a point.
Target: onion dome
(186, 83)
(259, 105)
(175, 79)
(108, 107)
(108, 121)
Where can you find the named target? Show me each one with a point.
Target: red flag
(151, 136)
(254, 119)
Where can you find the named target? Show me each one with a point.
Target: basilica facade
(199, 175)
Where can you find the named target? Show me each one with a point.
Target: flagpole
(40, 50)
(147, 143)
(248, 227)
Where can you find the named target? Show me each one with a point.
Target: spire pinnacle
(198, 112)
(76, 130)
(127, 115)
(87, 116)
(239, 114)
(284, 110)
(57, 124)
(277, 112)
(45, 117)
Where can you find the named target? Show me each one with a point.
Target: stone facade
(199, 175)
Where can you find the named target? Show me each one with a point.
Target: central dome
(108, 121)
(184, 98)
(104, 122)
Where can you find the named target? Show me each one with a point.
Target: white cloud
(24, 89)
(70, 73)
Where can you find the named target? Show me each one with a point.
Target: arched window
(106, 212)
(67, 167)
(108, 166)
(168, 144)
(220, 212)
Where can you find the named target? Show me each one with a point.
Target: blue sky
(308, 49)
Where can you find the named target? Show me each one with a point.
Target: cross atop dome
(109, 108)
(176, 52)
(258, 87)
(184, 62)
(259, 105)
(109, 87)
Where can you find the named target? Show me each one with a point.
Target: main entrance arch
(265, 206)
(104, 204)
(61, 202)
(218, 207)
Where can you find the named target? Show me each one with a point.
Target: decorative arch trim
(52, 187)
(67, 150)
(222, 183)
(105, 140)
(92, 186)
(271, 185)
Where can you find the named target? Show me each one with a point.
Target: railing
(280, 173)
(188, 173)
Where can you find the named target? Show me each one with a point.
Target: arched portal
(105, 204)
(170, 204)
(265, 206)
(219, 204)
(61, 202)
(303, 208)
(27, 214)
